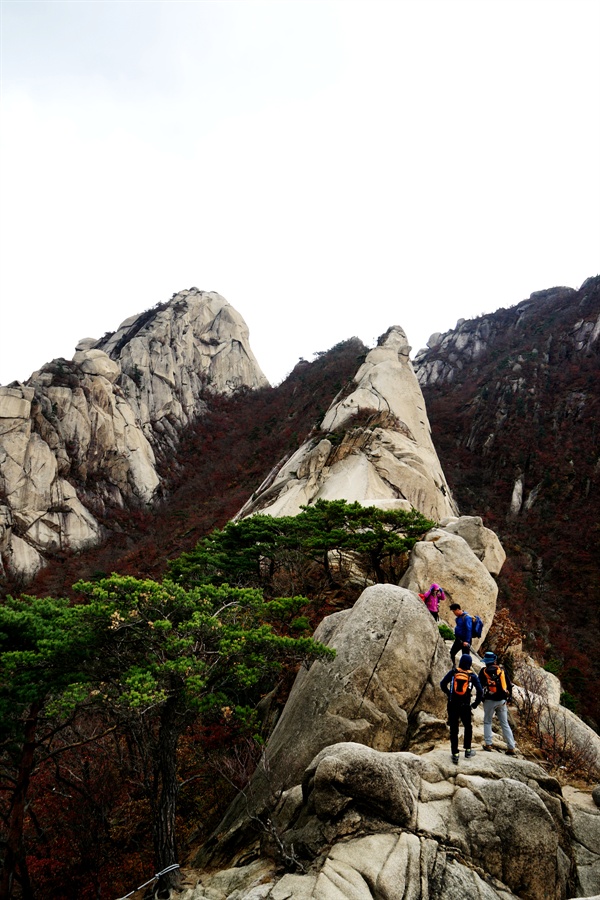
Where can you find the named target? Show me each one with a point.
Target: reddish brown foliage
(543, 416)
(220, 462)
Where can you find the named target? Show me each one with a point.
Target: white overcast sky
(331, 168)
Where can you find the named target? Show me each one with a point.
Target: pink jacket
(432, 598)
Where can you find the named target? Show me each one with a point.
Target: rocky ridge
(86, 435)
(356, 797)
(448, 354)
(503, 366)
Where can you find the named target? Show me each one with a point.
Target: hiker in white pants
(497, 691)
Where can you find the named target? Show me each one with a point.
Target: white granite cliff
(83, 435)
(374, 446)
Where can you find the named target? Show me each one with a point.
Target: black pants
(456, 647)
(457, 713)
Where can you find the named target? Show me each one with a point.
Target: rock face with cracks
(358, 799)
(84, 435)
(374, 445)
(381, 818)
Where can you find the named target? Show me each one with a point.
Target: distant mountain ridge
(573, 314)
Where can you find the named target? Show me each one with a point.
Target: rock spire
(374, 446)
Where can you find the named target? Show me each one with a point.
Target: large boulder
(374, 445)
(370, 825)
(483, 541)
(388, 665)
(447, 559)
(96, 362)
(379, 689)
(506, 820)
(585, 825)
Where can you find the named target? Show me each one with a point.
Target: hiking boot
(487, 748)
(469, 754)
(455, 757)
(511, 751)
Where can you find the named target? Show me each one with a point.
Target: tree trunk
(17, 812)
(25, 883)
(165, 802)
(377, 567)
(329, 574)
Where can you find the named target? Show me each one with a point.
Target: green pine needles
(146, 661)
(252, 551)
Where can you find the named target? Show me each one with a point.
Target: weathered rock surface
(370, 824)
(482, 541)
(84, 435)
(585, 827)
(388, 664)
(384, 679)
(169, 355)
(447, 559)
(357, 806)
(374, 445)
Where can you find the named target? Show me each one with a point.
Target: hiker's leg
(453, 718)
(454, 649)
(488, 715)
(502, 713)
(465, 715)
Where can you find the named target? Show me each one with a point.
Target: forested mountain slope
(514, 403)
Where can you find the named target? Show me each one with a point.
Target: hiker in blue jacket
(458, 686)
(463, 632)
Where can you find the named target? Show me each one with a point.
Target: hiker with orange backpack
(458, 685)
(497, 692)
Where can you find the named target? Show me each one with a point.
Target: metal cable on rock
(154, 878)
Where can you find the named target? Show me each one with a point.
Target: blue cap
(489, 658)
(465, 661)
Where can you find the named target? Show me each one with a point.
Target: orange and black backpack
(493, 682)
(460, 686)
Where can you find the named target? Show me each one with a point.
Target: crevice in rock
(383, 649)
